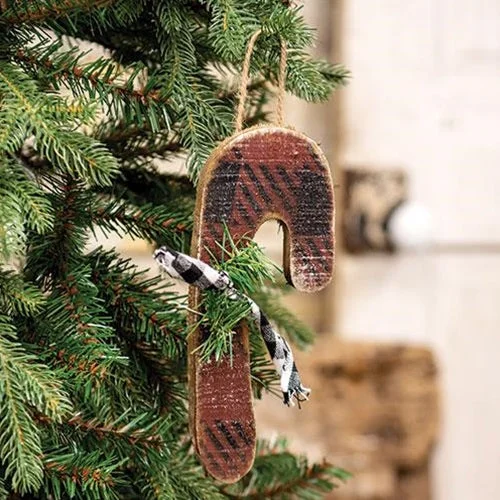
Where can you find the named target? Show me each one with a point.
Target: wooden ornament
(262, 173)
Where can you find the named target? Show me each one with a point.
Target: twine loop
(243, 90)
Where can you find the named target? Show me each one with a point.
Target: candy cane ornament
(261, 173)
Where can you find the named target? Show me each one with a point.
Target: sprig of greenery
(168, 224)
(18, 296)
(278, 474)
(248, 268)
(71, 473)
(24, 206)
(36, 12)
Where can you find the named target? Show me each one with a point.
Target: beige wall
(425, 96)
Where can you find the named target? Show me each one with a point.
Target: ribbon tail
(292, 387)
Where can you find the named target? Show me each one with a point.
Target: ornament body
(262, 173)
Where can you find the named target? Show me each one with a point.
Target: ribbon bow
(199, 274)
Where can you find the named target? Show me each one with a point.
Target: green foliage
(248, 268)
(42, 10)
(254, 275)
(169, 224)
(17, 296)
(102, 80)
(278, 474)
(23, 206)
(143, 309)
(93, 351)
(142, 184)
(26, 111)
(246, 264)
(24, 384)
(70, 474)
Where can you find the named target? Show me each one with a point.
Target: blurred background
(406, 371)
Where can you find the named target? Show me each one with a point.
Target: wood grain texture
(259, 174)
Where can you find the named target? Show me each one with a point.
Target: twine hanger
(243, 91)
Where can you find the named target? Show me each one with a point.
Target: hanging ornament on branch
(261, 173)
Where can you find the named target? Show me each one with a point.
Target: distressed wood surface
(259, 174)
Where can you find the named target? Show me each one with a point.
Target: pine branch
(16, 11)
(149, 319)
(146, 429)
(119, 14)
(74, 335)
(12, 215)
(36, 209)
(144, 184)
(230, 28)
(232, 24)
(165, 225)
(52, 256)
(245, 262)
(248, 267)
(309, 79)
(102, 79)
(132, 144)
(24, 382)
(203, 118)
(137, 44)
(131, 430)
(313, 80)
(314, 482)
(277, 474)
(142, 443)
(182, 477)
(289, 24)
(135, 443)
(38, 385)
(82, 475)
(144, 307)
(26, 111)
(23, 205)
(17, 296)
(81, 328)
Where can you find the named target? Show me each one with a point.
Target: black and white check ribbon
(201, 275)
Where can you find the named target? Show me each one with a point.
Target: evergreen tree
(92, 352)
